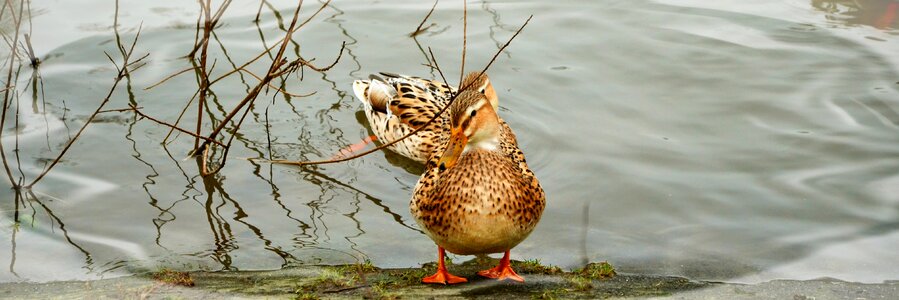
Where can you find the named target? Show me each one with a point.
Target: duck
(397, 104)
(477, 195)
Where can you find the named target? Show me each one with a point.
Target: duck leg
(442, 276)
(349, 150)
(502, 271)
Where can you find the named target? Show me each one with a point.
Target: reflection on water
(678, 138)
(883, 14)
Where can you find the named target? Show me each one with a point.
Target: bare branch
(168, 77)
(419, 30)
(277, 88)
(119, 110)
(160, 122)
(277, 62)
(437, 66)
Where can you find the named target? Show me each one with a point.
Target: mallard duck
(477, 194)
(399, 104)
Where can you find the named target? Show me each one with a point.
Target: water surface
(726, 141)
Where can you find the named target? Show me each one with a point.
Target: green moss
(381, 290)
(367, 267)
(548, 294)
(600, 270)
(533, 266)
(580, 283)
(307, 296)
(329, 279)
(174, 277)
(414, 276)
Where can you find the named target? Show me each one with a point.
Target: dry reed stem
(416, 130)
(419, 30)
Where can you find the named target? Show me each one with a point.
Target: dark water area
(716, 140)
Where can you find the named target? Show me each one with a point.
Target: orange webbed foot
(443, 277)
(502, 271)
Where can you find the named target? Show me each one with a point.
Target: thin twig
(437, 66)
(416, 130)
(280, 90)
(181, 115)
(464, 38)
(270, 48)
(120, 110)
(299, 62)
(419, 30)
(277, 62)
(211, 21)
(168, 77)
(201, 72)
(123, 72)
(259, 11)
(160, 122)
(12, 62)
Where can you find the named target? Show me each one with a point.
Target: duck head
(479, 82)
(475, 125)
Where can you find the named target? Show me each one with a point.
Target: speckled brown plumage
(487, 203)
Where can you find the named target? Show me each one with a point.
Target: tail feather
(375, 94)
(391, 75)
(380, 94)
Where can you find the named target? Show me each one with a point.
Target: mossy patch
(580, 283)
(600, 270)
(548, 294)
(174, 277)
(533, 266)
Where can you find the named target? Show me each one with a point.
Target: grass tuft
(174, 277)
(533, 266)
(600, 270)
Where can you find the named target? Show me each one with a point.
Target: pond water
(740, 141)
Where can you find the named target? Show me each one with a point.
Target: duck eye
(474, 112)
(483, 90)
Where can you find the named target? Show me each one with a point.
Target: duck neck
(489, 144)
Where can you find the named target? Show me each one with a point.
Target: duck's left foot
(351, 149)
(502, 271)
(443, 277)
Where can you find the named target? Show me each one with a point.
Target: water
(728, 141)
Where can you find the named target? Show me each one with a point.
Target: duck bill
(453, 151)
